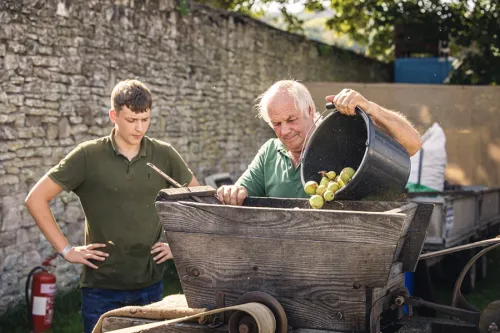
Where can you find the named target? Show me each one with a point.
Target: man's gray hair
(299, 92)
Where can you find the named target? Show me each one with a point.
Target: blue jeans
(96, 302)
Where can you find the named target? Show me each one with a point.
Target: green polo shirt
(117, 197)
(272, 174)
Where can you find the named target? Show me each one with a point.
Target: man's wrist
(373, 109)
(65, 251)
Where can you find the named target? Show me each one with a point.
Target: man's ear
(112, 115)
(310, 112)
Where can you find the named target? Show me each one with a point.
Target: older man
(287, 106)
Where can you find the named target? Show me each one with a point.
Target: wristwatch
(65, 251)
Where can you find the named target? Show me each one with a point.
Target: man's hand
(391, 122)
(163, 251)
(232, 194)
(347, 101)
(82, 254)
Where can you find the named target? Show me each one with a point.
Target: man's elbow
(33, 199)
(28, 201)
(415, 146)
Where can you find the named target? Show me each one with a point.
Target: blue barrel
(409, 284)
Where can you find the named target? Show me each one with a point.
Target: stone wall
(59, 61)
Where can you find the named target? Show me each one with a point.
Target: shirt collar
(142, 151)
(281, 147)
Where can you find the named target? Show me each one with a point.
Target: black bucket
(382, 164)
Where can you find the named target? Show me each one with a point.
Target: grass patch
(67, 317)
(487, 290)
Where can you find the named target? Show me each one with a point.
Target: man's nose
(285, 128)
(138, 126)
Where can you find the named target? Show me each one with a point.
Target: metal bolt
(243, 328)
(340, 315)
(399, 300)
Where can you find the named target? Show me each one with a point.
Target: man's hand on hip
(82, 254)
(163, 251)
(232, 194)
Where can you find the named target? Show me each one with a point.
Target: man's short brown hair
(133, 94)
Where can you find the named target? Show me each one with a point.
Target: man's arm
(37, 202)
(250, 183)
(391, 122)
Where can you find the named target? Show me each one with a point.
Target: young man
(287, 106)
(123, 258)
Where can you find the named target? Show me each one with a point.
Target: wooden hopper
(331, 269)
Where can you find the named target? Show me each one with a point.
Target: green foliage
(324, 50)
(473, 27)
(294, 24)
(182, 7)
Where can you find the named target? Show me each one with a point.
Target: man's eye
(130, 121)
(276, 124)
(292, 120)
(145, 120)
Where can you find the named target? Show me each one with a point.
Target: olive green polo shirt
(272, 174)
(117, 197)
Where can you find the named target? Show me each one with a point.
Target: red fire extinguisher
(41, 301)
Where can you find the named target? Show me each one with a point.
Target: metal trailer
(460, 217)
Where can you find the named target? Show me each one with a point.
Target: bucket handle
(331, 106)
(328, 107)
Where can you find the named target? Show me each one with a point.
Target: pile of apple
(330, 183)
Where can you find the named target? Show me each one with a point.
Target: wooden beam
(317, 314)
(305, 224)
(206, 194)
(415, 237)
(364, 206)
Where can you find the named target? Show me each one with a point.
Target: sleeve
(253, 178)
(177, 168)
(70, 172)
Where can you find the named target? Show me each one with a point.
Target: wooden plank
(308, 330)
(409, 211)
(312, 289)
(306, 269)
(414, 240)
(183, 193)
(304, 224)
(365, 205)
(381, 299)
(371, 308)
(342, 293)
(115, 323)
(396, 280)
(408, 207)
(320, 314)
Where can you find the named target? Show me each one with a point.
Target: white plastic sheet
(433, 161)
